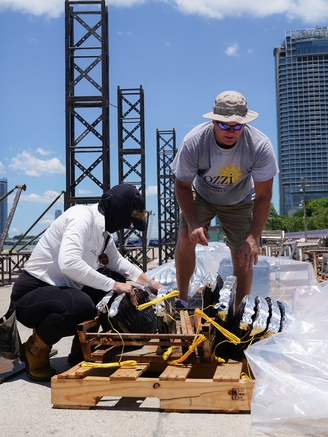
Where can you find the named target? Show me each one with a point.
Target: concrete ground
(26, 410)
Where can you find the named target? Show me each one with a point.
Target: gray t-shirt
(225, 176)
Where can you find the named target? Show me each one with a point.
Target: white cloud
(50, 8)
(42, 151)
(47, 219)
(47, 197)
(83, 191)
(2, 168)
(310, 12)
(32, 166)
(128, 3)
(32, 40)
(314, 11)
(151, 190)
(232, 50)
(124, 33)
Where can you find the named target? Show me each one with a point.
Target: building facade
(58, 212)
(3, 204)
(302, 109)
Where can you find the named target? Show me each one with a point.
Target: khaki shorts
(235, 219)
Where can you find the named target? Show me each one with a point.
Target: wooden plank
(207, 346)
(175, 373)
(205, 395)
(184, 330)
(71, 373)
(127, 373)
(191, 394)
(228, 372)
(197, 323)
(190, 329)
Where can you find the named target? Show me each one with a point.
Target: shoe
(181, 304)
(36, 357)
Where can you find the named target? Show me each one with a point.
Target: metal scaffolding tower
(87, 100)
(131, 151)
(168, 209)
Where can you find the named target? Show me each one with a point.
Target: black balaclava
(117, 205)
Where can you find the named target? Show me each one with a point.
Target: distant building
(58, 212)
(302, 107)
(3, 204)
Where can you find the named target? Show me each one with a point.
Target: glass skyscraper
(302, 107)
(58, 212)
(3, 204)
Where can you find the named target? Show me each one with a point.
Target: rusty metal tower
(87, 101)
(168, 209)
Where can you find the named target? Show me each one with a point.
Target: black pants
(53, 311)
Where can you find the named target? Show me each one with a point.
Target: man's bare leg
(244, 279)
(185, 261)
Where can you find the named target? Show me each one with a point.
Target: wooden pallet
(107, 346)
(200, 383)
(82, 388)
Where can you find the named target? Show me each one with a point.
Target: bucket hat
(231, 106)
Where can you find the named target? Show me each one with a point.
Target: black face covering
(117, 205)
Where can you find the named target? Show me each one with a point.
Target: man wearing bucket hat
(61, 284)
(223, 168)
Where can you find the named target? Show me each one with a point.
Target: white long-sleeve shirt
(67, 254)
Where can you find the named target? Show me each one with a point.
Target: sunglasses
(224, 126)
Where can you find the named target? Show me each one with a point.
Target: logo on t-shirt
(222, 180)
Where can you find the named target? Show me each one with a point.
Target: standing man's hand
(248, 253)
(185, 196)
(198, 235)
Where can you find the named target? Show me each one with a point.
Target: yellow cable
(117, 332)
(86, 364)
(196, 342)
(229, 335)
(167, 353)
(143, 306)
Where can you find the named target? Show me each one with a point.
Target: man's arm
(248, 252)
(197, 233)
(263, 196)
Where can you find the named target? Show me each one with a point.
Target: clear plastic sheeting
(291, 367)
(291, 370)
(274, 277)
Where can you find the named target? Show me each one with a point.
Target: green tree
(316, 217)
(317, 213)
(274, 220)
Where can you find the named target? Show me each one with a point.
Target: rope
(143, 306)
(232, 337)
(167, 353)
(196, 342)
(87, 364)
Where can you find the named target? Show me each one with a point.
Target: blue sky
(182, 52)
